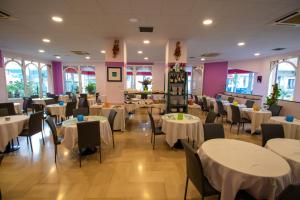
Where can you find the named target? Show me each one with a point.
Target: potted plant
(145, 84)
(91, 88)
(273, 97)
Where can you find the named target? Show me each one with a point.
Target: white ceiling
(88, 22)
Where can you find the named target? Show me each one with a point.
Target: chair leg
(18, 141)
(30, 144)
(151, 136)
(153, 141)
(186, 187)
(55, 153)
(231, 126)
(43, 137)
(100, 153)
(79, 158)
(113, 138)
(238, 128)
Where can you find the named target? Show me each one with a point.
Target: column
(57, 77)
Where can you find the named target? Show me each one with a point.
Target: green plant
(273, 97)
(91, 88)
(15, 89)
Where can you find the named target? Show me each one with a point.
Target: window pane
(285, 78)
(240, 83)
(71, 80)
(14, 80)
(32, 77)
(44, 73)
(87, 79)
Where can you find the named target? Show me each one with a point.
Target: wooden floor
(130, 171)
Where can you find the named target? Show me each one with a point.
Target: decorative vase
(145, 88)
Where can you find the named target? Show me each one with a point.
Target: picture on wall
(114, 74)
(259, 79)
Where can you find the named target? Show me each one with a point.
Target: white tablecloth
(18, 109)
(289, 149)
(291, 129)
(231, 165)
(130, 107)
(11, 129)
(64, 98)
(91, 101)
(257, 117)
(190, 127)
(194, 109)
(119, 123)
(69, 131)
(40, 100)
(56, 109)
(95, 109)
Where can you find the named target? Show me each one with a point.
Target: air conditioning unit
(290, 20)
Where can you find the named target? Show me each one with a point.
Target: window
(14, 79)
(284, 74)
(71, 79)
(33, 78)
(44, 74)
(239, 81)
(87, 77)
(136, 75)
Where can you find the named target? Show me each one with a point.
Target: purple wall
(57, 77)
(215, 75)
(1, 59)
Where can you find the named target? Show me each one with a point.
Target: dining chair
(74, 98)
(80, 111)
(83, 103)
(88, 136)
(10, 107)
(194, 173)
(34, 127)
(211, 117)
(27, 104)
(275, 109)
(83, 96)
(196, 100)
(39, 108)
(230, 99)
(290, 192)
(237, 119)
(56, 140)
(34, 96)
(205, 105)
(69, 109)
(111, 119)
(155, 130)
(3, 112)
(50, 101)
(212, 131)
(221, 111)
(270, 131)
(249, 103)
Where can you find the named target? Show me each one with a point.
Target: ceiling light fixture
(146, 58)
(41, 50)
(57, 57)
(140, 52)
(202, 59)
(87, 57)
(46, 40)
(207, 22)
(133, 20)
(146, 42)
(103, 51)
(57, 19)
(241, 44)
(257, 54)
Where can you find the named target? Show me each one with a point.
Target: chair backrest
(35, 123)
(230, 99)
(249, 103)
(34, 96)
(26, 102)
(10, 107)
(49, 95)
(236, 114)
(220, 107)
(270, 131)
(211, 117)
(74, 98)
(80, 111)
(111, 118)
(212, 131)
(83, 96)
(52, 126)
(88, 134)
(205, 105)
(83, 103)
(193, 167)
(50, 101)
(3, 112)
(56, 97)
(37, 107)
(97, 95)
(218, 96)
(69, 94)
(290, 192)
(152, 122)
(69, 108)
(275, 109)
(196, 99)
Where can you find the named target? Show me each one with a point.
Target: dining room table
(64, 98)
(289, 149)
(41, 100)
(194, 109)
(175, 128)
(257, 117)
(231, 165)
(17, 107)
(227, 107)
(120, 119)
(10, 128)
(291, 129)
(58, 110)
(70, 134)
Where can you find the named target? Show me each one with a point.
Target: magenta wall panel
(1, 59)
(215, 75)
(57, 77)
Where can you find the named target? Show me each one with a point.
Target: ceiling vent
(4, 15)
(144, 29)
(278, 49)
(290, 20)
(80, 53)
(210, 55)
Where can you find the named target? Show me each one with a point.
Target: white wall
(158, 74)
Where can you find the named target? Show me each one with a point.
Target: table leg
(10, 147)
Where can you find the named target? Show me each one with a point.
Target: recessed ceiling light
(57, 57)
(146, 58)
(87, 57)
(241, 44)
(46, 40)
(140, 52)
(103, 51)
(257, 54)
(133, 20)
(146, 41)
(207, 22)
(202, 59)
(41, 50)
(57, 19)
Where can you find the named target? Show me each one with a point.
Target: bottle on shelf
(175, 79)
(171, 90)
(171, 78)
(177, 90)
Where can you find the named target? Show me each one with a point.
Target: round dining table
(231, 165)
(58, 110)
(10, 128)
(188, 127)
(291, 129)
(41, 100)
(257, 117)
(289, 149)
(69, 130)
